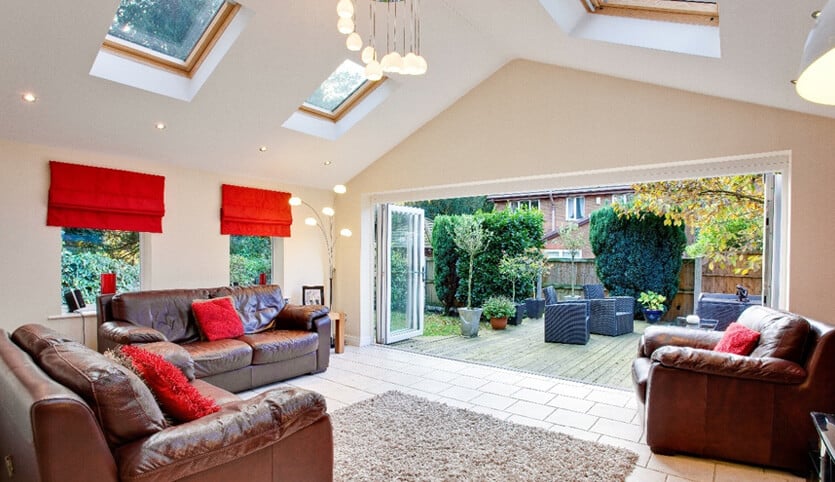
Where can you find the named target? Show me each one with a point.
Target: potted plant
(468, 235)
(572, 240)
(653, 305)
(513, 267)
(536, 266)
(498, 309)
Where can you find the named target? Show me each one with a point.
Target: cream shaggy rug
(395, 436)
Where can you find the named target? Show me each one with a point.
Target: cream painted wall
(190, 252)
(537, 120)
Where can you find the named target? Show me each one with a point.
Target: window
(175, 34)
(525, 204)
(622, 198)
(250, 260)
(87, 253)
(339, 92)
(703, 12)
(574, 208)
(563, 253)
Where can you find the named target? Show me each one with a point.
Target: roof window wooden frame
(677, 11)
(185, 68)
(355, 98)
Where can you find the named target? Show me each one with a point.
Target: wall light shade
(340, 189)
(295, 201)
(345, 232)
(310, 221)
(817, 68)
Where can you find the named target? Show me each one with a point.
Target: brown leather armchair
(752, 409)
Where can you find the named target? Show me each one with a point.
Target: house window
(563, 253)
(87, 253)
(622, 198)
(339, 92)
(175, 35)
(702, 12)
(574, 208)
(250, 260)
(524, 204)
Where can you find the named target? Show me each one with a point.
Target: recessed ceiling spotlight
(160, 125)
(263, 148)
(816, 14)
(328, 163)
(793, 81)
(29, 97)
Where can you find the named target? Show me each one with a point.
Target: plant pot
(516, 319)
(535, 307)
(652, 316)
(498, 323)
(469, 321)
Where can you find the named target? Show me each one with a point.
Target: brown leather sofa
(281, 340)
(752, 409)
(68, 413)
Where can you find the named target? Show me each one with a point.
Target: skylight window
(173, 34)
(702, 12)
(345, 87)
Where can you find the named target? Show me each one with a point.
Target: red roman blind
(100, 198)
(246, 211)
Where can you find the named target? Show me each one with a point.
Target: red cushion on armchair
(738, 339)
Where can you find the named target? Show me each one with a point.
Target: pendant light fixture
(817, 68)
(393, 43)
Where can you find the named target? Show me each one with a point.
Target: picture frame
(313, 295)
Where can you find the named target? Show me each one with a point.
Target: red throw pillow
(217, 318)
(738, 339)
(177, 398)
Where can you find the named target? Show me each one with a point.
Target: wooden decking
(605, 360)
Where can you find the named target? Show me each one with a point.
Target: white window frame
(528, 203)
(571, 208)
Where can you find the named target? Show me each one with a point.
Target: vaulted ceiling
(290, 46)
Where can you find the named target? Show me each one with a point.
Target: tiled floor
(590, 412)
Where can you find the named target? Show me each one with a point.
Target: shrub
(636, 253)
(446, 257)
(509, 233)
(498, 307)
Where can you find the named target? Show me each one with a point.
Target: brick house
(562, 206)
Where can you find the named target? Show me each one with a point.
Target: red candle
(262, 279)
(108, 283)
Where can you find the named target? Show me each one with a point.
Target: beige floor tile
(432, 386)
(572, 419)
(530, 410)
(468, 382)
(452, 402)
(644, 453)
(459, 393)
(611, 397)
(477, 371)
(571, 403)
(490, 400)
(532, 422)
(535, 383)
(571, 390)
(534, 396)
(640, 474)
(499, 388)
(500, 414)
(689, 468)
(576, 432)
(623, 430)
(612, 412)
(504, 376)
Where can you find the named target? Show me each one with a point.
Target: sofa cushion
(257, 305)
(217, 318)
(212, 357)
(280, 345)
(176, 397)
(124, 406)
(738, 339)
(167, 311)
(782, 335)
(174, 354)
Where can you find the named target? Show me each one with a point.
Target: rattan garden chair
(567, 322)
(611, 316)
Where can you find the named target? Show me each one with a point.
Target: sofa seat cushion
(280, 345)
(213, 357)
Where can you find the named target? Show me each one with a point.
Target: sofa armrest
(656, 337)
(125, 333)
(300, 317)
(237, 430)
(708, 362)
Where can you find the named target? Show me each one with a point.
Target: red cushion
(217, 318)
(738, 339)
(177, 398)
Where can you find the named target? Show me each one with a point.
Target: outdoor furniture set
(573, 321)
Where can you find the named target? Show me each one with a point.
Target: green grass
(434, 324)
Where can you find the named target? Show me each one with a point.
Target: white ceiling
(290, 46)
